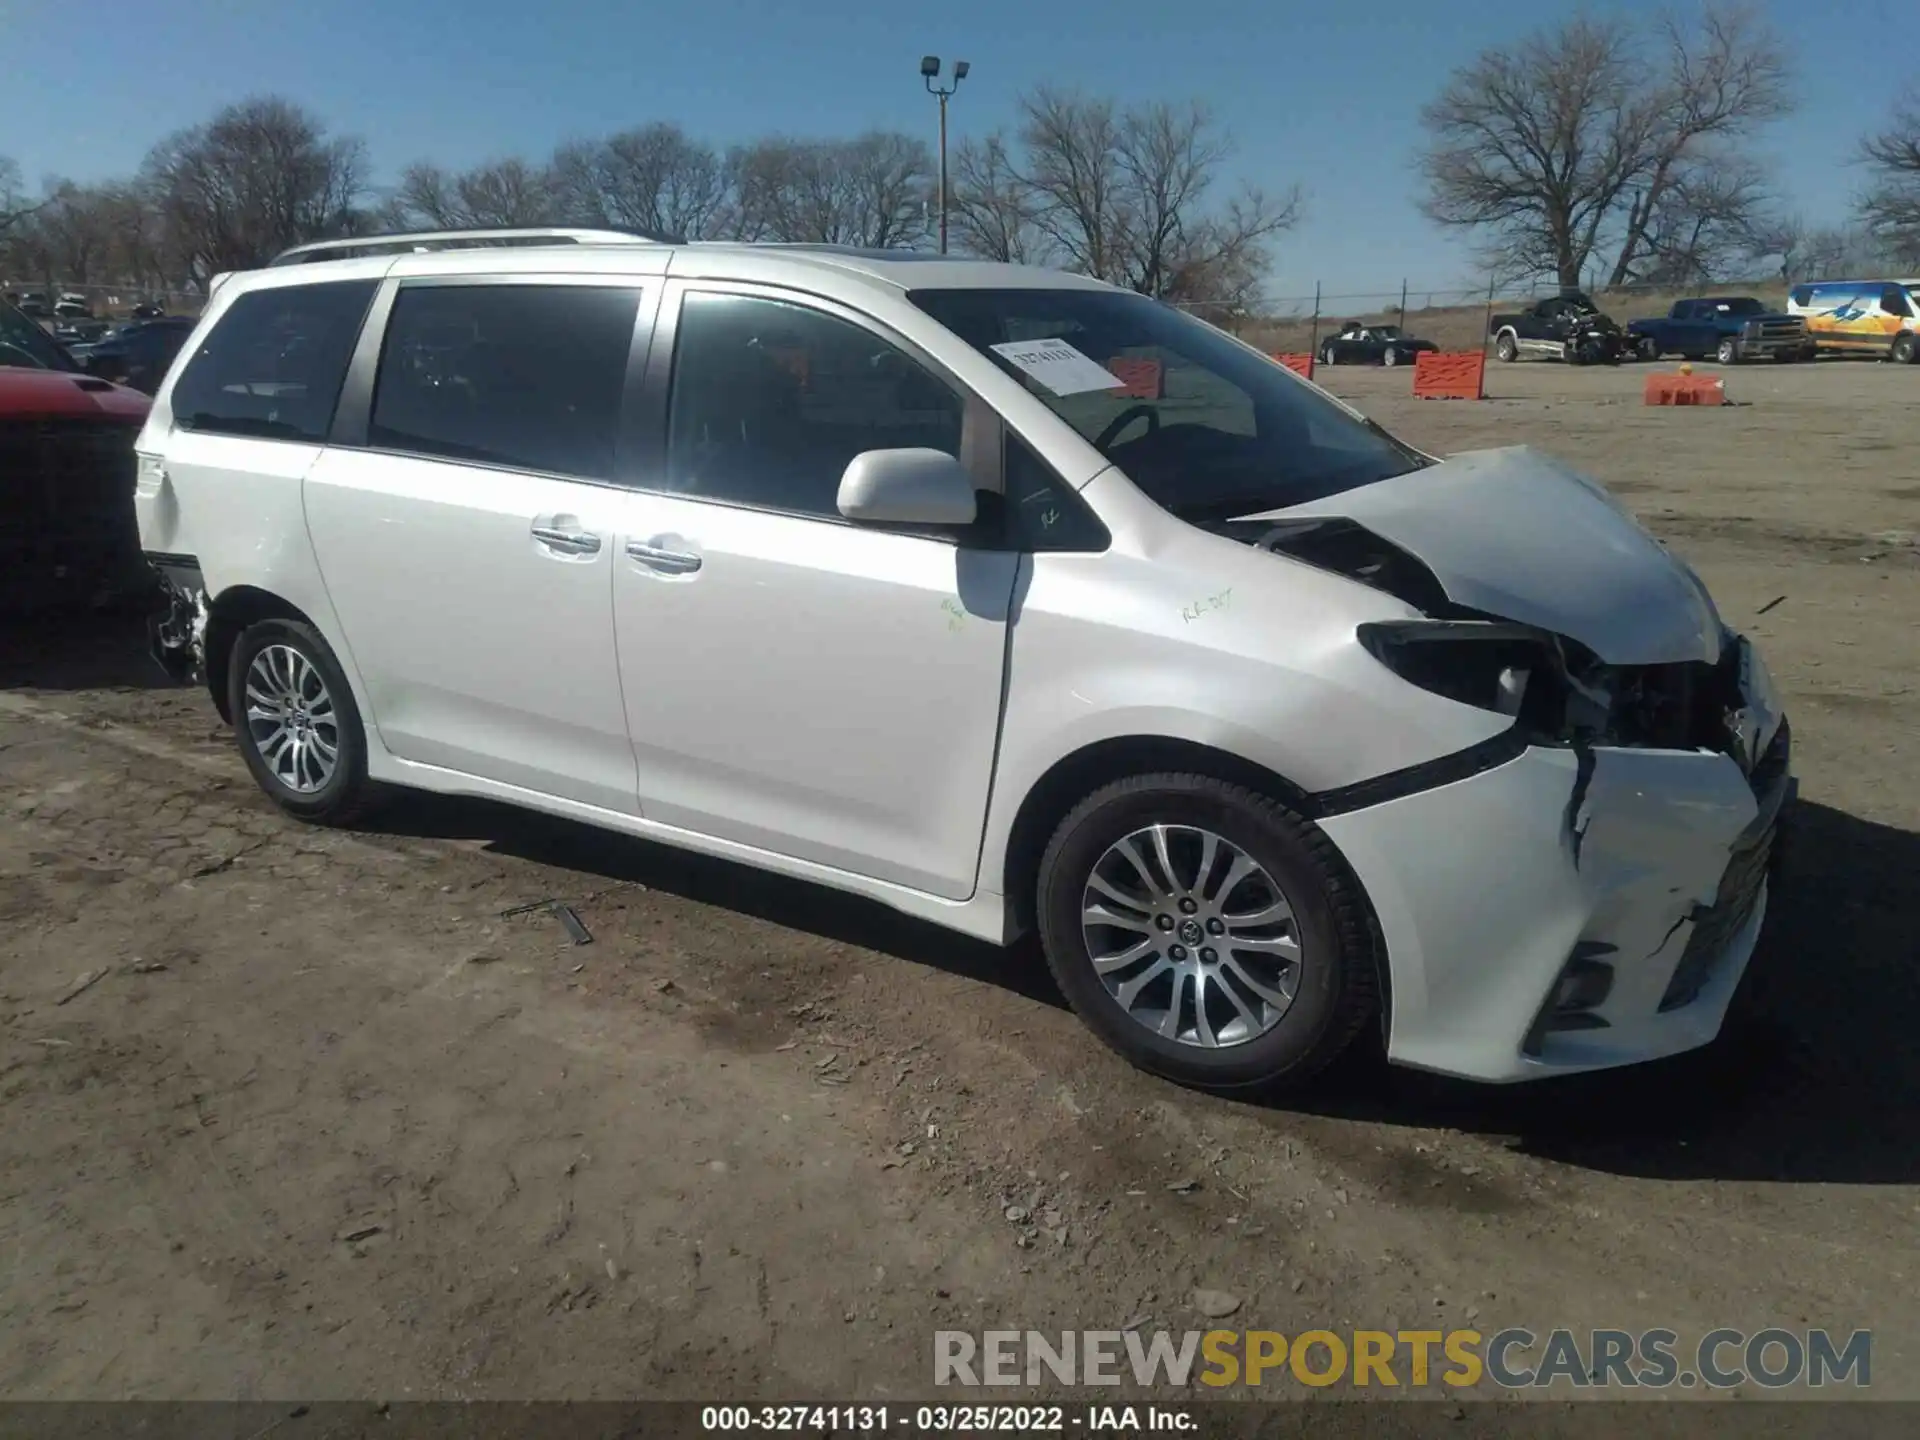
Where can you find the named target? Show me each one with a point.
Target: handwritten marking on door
(1206, 605)
(955, 615)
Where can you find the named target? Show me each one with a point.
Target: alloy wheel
(1191, 936)
(291, 720)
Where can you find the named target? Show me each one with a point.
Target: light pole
(930, 72)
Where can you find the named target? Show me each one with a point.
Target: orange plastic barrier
(1142, 379)
(1300, 364)
(1450, 375)
(1668, 389)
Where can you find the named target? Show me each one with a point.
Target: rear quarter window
(273, 364)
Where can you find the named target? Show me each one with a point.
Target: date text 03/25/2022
(1012, 1419)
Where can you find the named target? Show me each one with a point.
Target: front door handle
(666, 562)
(565, 541)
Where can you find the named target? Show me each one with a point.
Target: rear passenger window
(273, 364)
(772, 401)
(525, 376)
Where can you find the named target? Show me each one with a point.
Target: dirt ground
(330, 1127)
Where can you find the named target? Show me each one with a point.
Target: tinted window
(527, 376)
(273, 364)
(1230, 433)
(772, 401)
(1042, 511)
(1801, 294)
(1893, 300)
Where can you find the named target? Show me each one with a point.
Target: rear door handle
(666, 562)
(565, 541)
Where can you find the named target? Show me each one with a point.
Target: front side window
(274, 362)
(1232, 433)
(524, 376)
(771, 402)
(1893, 300)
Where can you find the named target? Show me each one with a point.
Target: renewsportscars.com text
(1514, 1359)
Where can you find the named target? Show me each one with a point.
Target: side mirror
(907, 487)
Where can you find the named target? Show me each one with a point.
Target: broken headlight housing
(1492, 665)
(1481, 663)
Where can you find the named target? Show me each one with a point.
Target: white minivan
(999, 595)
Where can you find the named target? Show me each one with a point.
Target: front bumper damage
(1576, 908)
(177, 631)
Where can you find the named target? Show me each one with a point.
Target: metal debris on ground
(84, 982)
(564, 913)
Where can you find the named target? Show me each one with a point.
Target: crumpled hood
(1515, 533)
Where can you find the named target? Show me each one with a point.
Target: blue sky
(1325, 94)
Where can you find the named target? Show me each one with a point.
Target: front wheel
(1727, 352)
(1905, 350)
(1328, 357)
(1205, 932)
(296, 722)
(1390, 357)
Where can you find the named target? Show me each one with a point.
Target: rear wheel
(296, 722)
(1390, 356)
(1329, 356)
(1506, 347)
(1205, 932)
(1647, 348)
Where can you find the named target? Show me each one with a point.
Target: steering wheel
(1125, 418)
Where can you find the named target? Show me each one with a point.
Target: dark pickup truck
(1565, 327)
(1730, 330)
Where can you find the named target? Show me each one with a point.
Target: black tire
(1904, 351)
(1329, 357)
(347, 794)
(1505, 347)
(1727, 352)
(1647, 348)
(1337, 989)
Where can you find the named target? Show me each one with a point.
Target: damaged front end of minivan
(1589, 892)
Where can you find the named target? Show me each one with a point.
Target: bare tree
(1126, 195)
(262, 175)
(75, 226)
(870, 192)
(1720, 84)
(502, 194)
(1711, 222)
(1575, 139)
(991, 210)
(14, 204)
(1891, 209)
(655, 179)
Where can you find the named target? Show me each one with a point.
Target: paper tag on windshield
(1058, 366)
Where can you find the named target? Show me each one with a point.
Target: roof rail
(457, 240)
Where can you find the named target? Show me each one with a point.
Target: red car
(67, 534)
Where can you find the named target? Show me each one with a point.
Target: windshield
(1208, 428)
(24, 343)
